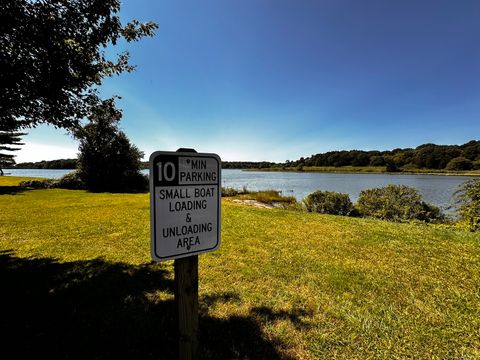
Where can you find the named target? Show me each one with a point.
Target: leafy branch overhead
(53, 58)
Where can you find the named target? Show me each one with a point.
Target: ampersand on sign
(189, 218)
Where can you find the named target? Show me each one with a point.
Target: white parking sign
(185, 203)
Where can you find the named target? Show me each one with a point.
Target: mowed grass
(77, 282)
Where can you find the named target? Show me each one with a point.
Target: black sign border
(153, 223)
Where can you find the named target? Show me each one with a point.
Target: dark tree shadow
(84, 309)
(13, 190)
(295, 316)
(102, 310)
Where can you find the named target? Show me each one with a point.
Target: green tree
(396, 203)
(459, 163)
(329, 202)
(467, 200)
(476, 164)
(361, 159)
(53, 58)
(377, 161)
(391, 166)
(107, 160)
(8, 142)
(471, 150)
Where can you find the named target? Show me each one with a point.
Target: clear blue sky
(276, 80)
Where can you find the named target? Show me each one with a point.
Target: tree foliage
(459, 163)
(8, 142)
(468, 203)
(426, 156)
(395, 203)
(53, 58)
(107, 160)
(329, 202)
(246, 164)
(49, 164)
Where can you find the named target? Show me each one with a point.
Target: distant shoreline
(367, 170)
(334, 170)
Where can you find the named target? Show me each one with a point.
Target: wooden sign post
(185, 204)
(186, 299)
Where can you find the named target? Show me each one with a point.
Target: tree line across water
(48, 164)
(426, 156)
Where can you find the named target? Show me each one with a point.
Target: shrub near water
(230, 191)
(396, 203)
(329, 202)
(69, 181)
(468, 203)
(271, 197)
(37, 184)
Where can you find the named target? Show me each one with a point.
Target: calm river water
(435, 189)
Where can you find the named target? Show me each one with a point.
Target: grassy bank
(77, 282)
(369, 170)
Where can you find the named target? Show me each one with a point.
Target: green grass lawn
(77, 282)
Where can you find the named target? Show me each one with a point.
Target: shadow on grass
(13, 190)
(101, 310)
(295, 316)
